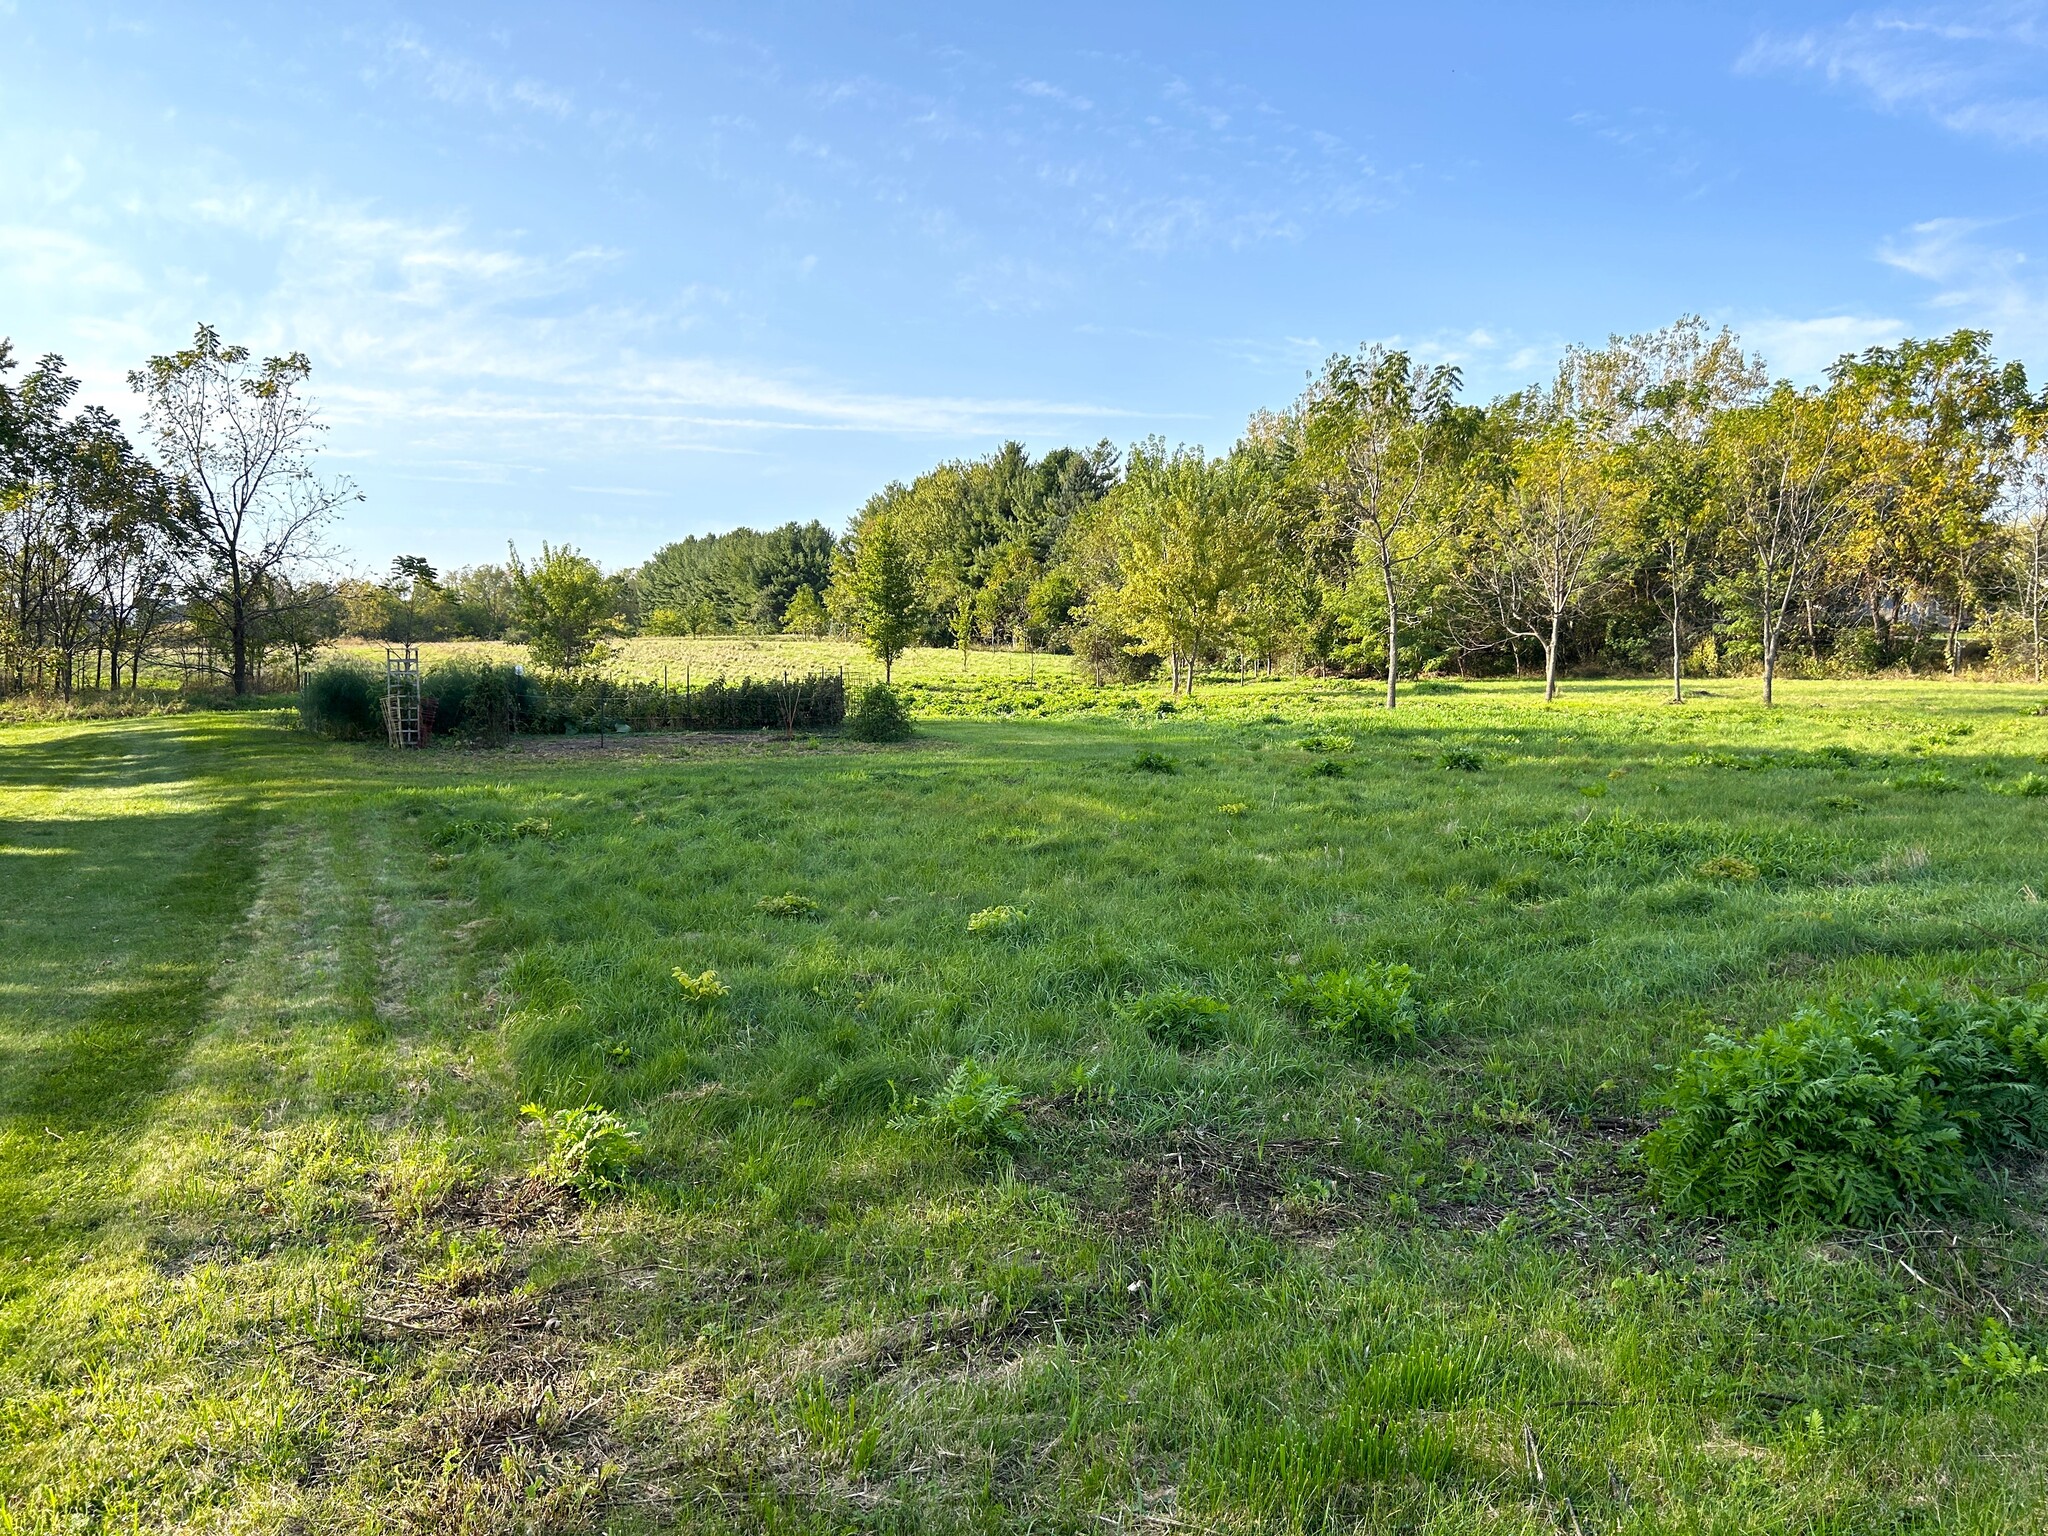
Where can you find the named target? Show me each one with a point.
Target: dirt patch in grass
(491, 1423)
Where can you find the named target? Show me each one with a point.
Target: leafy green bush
(878, 715)
(705, 988)
(1375, 1004)
(1998, 1363)
(1179, 1018)
(479, 700)
(1148, 761)
(1726, 866)
(788, 904)
(590, 1149)
(974, 1109)
(1004, 919)
(1461, 760)
(1854, 1111)
(343, 700)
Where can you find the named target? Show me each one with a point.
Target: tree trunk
(1393, 634)
(1550, 659)
(1770, 658)
(1677, 650)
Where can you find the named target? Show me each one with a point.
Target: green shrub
(878, 715)
(1148, 761)
(343, 700)
(705, 988)
(974, 1109)
(788, 904)
(1375, 1004)
(2028, 786)
(479, 700)
(1854, 1112)
(1003, 919)
(590, 1149)
(1179, 1018)
(1461, 760)
(1998, 1363)
(1727, 866)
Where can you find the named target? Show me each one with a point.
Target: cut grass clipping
(1855, 1111)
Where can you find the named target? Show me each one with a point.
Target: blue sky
(615, 273)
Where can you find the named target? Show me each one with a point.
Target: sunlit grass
(271, 1259)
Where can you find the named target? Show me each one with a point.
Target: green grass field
(273, 1255)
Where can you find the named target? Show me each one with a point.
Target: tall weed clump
(343, 700)
(1854, 1111)
(878, 715)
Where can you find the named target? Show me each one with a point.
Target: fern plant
(1854, 1111)
(1179, 1018)
(974, 1109)
(1375, 1004)
(1003, 919)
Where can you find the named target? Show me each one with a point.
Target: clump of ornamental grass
(1854, 1111)
(788, 904)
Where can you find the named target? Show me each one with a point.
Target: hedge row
(478, 700)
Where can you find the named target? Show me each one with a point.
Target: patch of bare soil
(487, 1422)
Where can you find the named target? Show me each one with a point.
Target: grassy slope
(266, 1253)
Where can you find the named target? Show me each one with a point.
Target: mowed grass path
(269, 1257)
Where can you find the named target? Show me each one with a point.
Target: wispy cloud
(1977, 281)
(1801, 348)
(459, 80)
(1979, 70)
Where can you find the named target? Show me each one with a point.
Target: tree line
(1660, 502)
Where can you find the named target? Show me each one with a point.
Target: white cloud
(1802, 349)
(460, 81)
(1977, 70)
(1977, 282)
